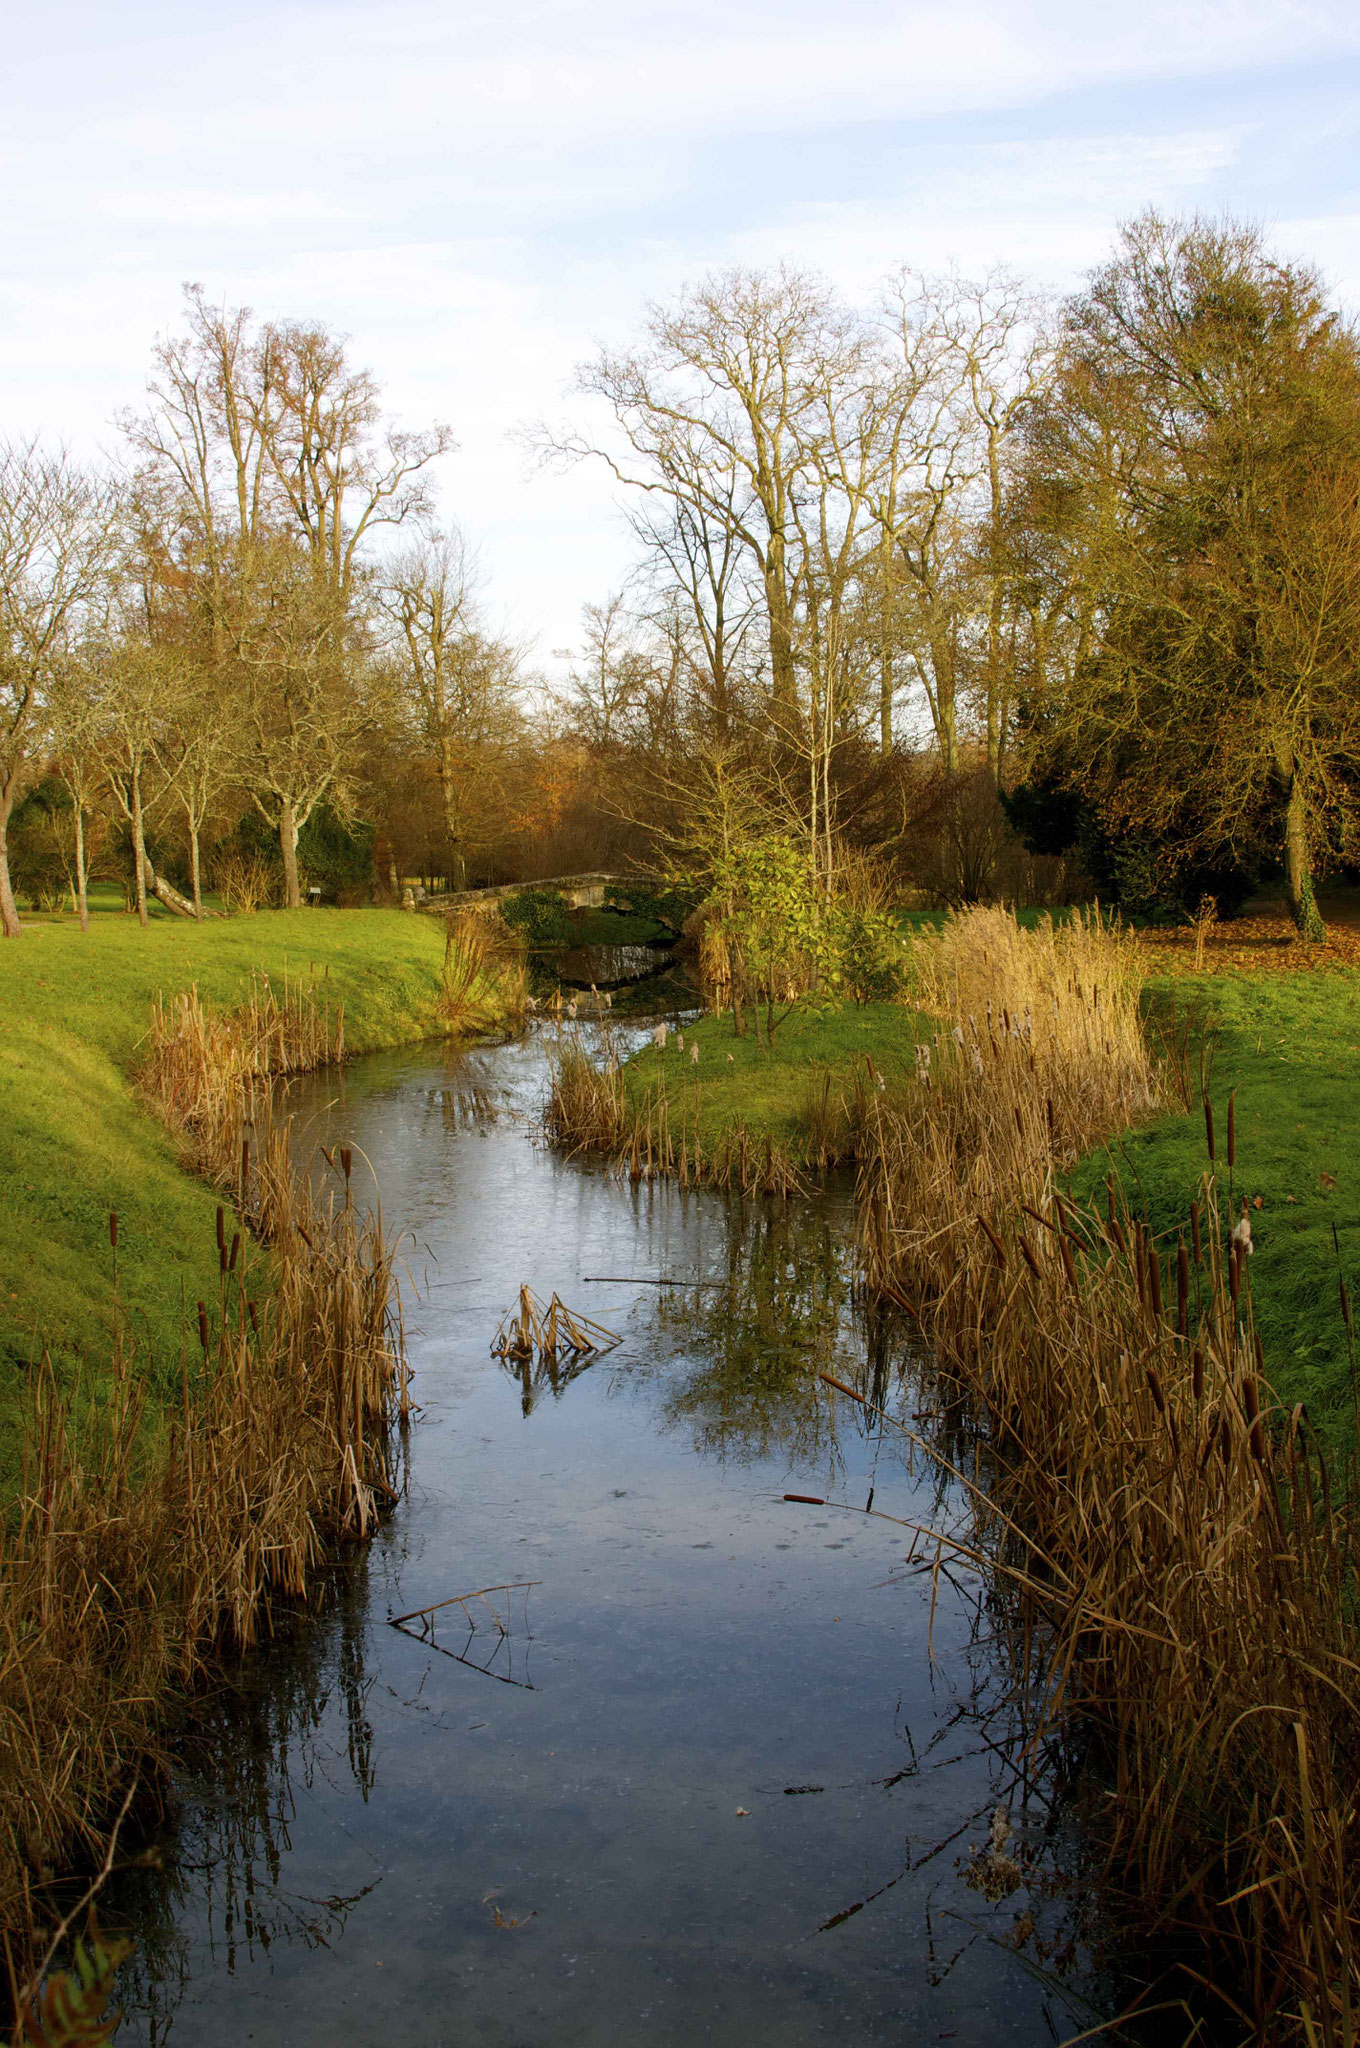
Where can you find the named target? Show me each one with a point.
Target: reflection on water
(750, 1751)
(606, 966)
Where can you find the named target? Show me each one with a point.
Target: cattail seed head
(1209, 1127)
(113, 1228)
(1182, 1289)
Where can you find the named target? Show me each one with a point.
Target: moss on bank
(75, 1142)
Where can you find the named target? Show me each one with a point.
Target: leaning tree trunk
(166, 893)
(9, 910)
(288, 839)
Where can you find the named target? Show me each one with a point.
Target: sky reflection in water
(722, 1727)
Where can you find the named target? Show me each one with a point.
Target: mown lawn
(75, 1141)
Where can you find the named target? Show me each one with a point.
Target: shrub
(541, 915)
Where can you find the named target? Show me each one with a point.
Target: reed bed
(146, 1544)
(1189, 1571)
(485, 982)
(590, 1110)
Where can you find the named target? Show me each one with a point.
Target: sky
(479, 195)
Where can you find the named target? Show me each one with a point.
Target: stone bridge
(582, 892)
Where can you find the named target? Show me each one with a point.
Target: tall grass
(1191, 1576)
(485, 983)
(143, 1545)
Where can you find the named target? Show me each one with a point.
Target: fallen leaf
(1326, 1180)
(1258, 1202)
(743, 1813)
(1292, 1200)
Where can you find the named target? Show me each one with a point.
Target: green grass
(1290, 1046)
(75, 1142)
(1288, 1043)
(771, 1091)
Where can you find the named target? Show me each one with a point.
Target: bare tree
(460, 681)
(56, 541)
(265, 467)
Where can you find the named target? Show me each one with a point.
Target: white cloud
(475, 192)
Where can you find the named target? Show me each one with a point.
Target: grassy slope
(75, 1143)
(1290, 1045)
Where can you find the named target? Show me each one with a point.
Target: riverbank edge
(79, 1141)
(1288, 1045)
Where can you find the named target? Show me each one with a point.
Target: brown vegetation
(144, 1543)
(1189, 1577)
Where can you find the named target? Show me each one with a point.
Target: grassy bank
(1287, 1042)
(1289, 1045)
(76, 1142)
(776, 1093)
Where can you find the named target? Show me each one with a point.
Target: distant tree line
(1016, 597)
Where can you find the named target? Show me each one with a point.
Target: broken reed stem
(1200, 1582)
(146, 1541)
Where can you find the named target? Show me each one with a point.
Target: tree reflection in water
(225, 1823)
(782, 1311)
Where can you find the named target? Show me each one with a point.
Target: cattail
(203, 1328)
(994, 1241)
(1068, 1267)
(1256, 1434)
(1209, 1127)
(221, 1228)
(1154, 1381)
(1028, 1257)
(1232, 1130)
(254, 1319)
(113, 1228)
(346, 1160)
(235, 1248)
(1182, 1289)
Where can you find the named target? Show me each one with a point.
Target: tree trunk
(166, 893)
(1298, 867)
(288, 838)
(139, 859)
(193, 869)
(9, 912)
(82, 874)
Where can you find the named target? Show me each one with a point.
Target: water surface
(719, 1778)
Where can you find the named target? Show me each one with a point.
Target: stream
(720, 1766)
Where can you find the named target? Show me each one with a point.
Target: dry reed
(141, 1544)
(485, 983)
(1189, 1577)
